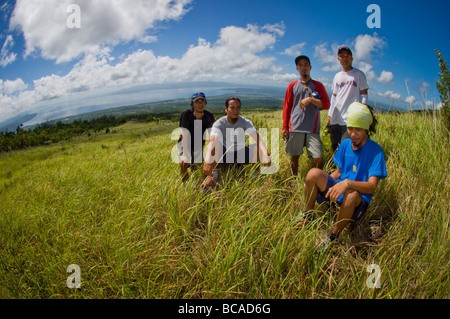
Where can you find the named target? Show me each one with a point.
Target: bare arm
(209, 163)
(185, 135)
(261, 147)
(310, 100)
(336, 174)
(361, 187)
(332, 107)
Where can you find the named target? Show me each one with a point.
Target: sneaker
(303, 217)
(209, 184)
(328, 242)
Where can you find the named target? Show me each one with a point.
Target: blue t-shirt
(361, 164)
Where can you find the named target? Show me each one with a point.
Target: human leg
(318, 163)
(316, 184)
(314, 149)
(294, 165)
(184, 171)
(316, 181)
(335, 136)
(352, 199)
(294, 148)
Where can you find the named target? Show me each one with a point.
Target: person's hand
(285, 135)
(305, 102)
(267, 161)
(337, 190)
(184, 159)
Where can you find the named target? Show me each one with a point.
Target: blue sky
(53, 68)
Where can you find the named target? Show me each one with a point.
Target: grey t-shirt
(232, 134)
(307, 120)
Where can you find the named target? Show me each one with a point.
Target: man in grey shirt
(304, 100)
(227, 142)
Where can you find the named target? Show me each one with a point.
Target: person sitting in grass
(227, 144)
(360, 165)
(194, 122)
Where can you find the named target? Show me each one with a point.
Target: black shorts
(240, 157)
(359, 211)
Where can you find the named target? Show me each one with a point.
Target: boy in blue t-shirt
(361, 164)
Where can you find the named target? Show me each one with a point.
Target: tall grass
(114, 204)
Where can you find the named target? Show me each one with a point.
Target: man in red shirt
(304, 100)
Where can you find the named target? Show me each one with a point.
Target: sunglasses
(344, 55)
(198, 94)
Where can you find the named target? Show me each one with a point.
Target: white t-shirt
(232, 134)
(347, 87)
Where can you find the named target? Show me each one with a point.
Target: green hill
(114, 205)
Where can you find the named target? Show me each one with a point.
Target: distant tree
(19, 128)
(443, 86)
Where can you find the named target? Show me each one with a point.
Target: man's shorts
(359, 211)
(240, 157)
(296, 141)
(234, 160)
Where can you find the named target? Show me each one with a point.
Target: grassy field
(114, 205)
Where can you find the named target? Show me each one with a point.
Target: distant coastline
(143, 99)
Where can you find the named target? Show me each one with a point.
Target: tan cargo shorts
(296, 141)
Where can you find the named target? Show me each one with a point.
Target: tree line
(54, 132)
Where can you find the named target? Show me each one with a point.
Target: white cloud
(287, 77)
(148, 39)
(278, 28)
(250, 39)
(10, 87)
(386, 77)
(390, 95)
(328, 57)
(103, 23)
(7, 57)
(238, 55)
(366, 44)
(367, 69)
(294, 50)
(410, 99)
